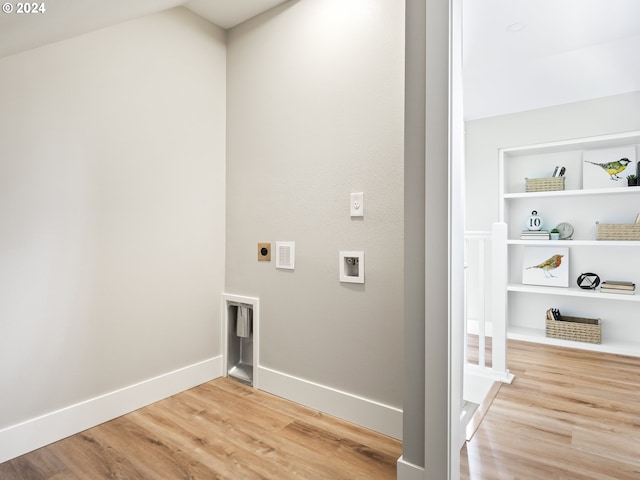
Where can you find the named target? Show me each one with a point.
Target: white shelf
(537, 335)
(577, 243)
(571, 292)
(621, 331)
(599, 141)
(573, 193)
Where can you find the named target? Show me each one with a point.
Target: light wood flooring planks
(569, 414)
(219, 430)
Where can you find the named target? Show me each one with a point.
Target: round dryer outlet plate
(264, 252)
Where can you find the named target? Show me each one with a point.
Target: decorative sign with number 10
(535, 222)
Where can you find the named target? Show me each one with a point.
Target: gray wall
(619, 113)
(111, 210)
(426, 343)
(437, 241)
(414, 214)
(315, 99)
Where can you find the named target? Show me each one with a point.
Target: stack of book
(534, 235)
(614, 286)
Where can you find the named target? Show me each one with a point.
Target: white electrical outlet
(357, 204)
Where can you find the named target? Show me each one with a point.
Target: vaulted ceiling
(64, 19)
(518, 54)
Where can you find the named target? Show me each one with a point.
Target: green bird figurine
(549, 264)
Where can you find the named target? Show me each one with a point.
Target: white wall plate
(351, 266)
(286, 255)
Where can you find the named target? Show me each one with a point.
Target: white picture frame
(595, 173)
(540, 266)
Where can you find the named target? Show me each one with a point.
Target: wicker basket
(575, 328)
(617, 231)
(544, 184)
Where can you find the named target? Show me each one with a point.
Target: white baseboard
(352, 408)
(409, 471)
(37, 432)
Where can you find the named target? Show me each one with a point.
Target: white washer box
(351, 266)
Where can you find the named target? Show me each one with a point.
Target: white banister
(499, 299)
(487, 288)
(478, 287)
(482, 333)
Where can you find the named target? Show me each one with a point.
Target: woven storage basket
(617, 231)
(544, 184)
(575, 328)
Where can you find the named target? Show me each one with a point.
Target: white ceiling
(68, 18)
(568, 50)
(228, 13)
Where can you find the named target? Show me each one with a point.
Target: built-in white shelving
(573, 193)
(572, 292)
(537, 335)
(577, 243)
(611, 260)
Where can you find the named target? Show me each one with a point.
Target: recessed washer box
(351, 266)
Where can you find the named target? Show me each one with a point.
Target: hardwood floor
(569, 414)
(219, 430)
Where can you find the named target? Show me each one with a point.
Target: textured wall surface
(112, 183)
(315, 98)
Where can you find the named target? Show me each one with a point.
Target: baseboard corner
(35, 433)
(409, 471)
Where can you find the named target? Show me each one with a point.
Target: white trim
(409, 471)
(352, 408)
(37, 432)
(489, 373)
(456, 247)
(227, 299)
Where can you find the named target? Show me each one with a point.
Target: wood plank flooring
(569, 414)
(219, 430)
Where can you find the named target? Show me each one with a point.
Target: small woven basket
(617, 231)
(549, 184)
(577, 329)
